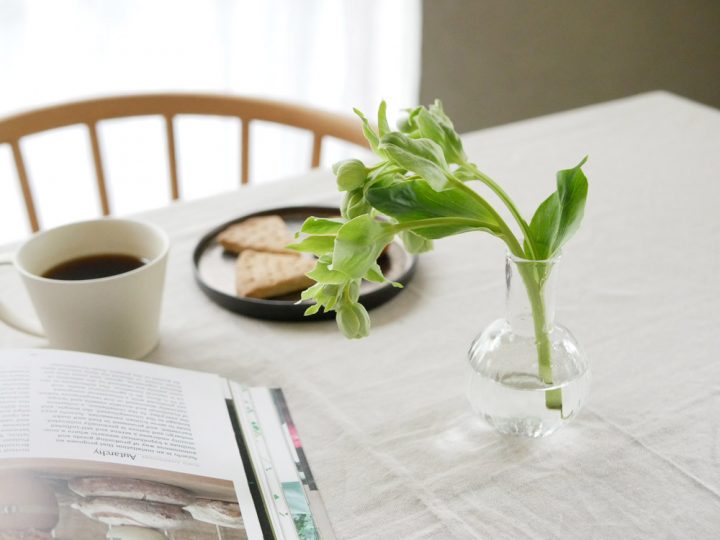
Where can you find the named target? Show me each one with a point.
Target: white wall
(334, 54)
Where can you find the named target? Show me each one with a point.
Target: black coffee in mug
(94, 267)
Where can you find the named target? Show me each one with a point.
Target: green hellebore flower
(351, 174)
(354, 204)
(353, 321)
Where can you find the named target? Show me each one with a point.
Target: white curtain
(334, 54)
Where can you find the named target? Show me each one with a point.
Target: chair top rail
(91, 111)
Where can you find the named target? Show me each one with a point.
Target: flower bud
(354, 204)
(353, 321)
(351, 174)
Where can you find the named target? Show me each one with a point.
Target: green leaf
(358, 245)
(312, 310)
(384, 178)
(436, 109)
(465, 174)
(415, 243)
(425, 148)
(432, 127)
(351, 174)
(436, 232)
(317, 245)
(375, 274)
(322, 273)
(572, 193)
(324, 294)
(310, 292)
(321, 226)
(421, 156)
(383, 126)
(429, 127)
(328, 295)
(544, 226)
(370, 135)
(559, 216)
(414, 200)
(453, 139)
(407, 124)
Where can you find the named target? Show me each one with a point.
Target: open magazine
(95, 447)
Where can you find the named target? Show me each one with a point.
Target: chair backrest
(90, 112)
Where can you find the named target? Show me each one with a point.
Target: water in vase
(523, 381)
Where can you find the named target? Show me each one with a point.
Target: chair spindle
(99, 170)
(92, 112)
(316, 150)
(25, 185)
(172, 158)
(245, 151)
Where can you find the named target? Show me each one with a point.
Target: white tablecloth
(397, 452)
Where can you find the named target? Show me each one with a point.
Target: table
(395, 449)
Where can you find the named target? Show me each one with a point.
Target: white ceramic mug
(117, 315)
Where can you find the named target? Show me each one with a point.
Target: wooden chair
(90, 112)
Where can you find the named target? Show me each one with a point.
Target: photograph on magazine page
(72, 500)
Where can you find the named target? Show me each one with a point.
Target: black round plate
(215, 272)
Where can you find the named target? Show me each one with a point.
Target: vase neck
(530, 284)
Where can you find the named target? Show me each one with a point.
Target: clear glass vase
(528, 375)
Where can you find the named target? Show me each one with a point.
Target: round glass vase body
(528, 375)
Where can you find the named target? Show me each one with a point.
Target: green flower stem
(534, 287)
(510, 239)
(435, 222)
(530, 276)
(505, 198)
(505, 231)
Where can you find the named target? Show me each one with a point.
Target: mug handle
(12, 319)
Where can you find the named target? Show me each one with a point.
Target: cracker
(264, 233)
(264, 275)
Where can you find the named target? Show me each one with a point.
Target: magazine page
(320, 517)
(293, 503)
(264, 469)
(284, 464)
(93, 447)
